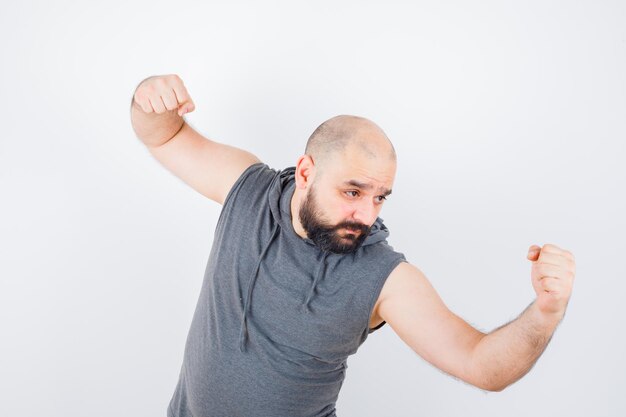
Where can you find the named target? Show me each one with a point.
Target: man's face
(344, 237)
(341, 206)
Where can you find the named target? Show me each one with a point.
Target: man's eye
(382, 198)
(355, 192)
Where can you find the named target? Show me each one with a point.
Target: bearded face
(344, 237)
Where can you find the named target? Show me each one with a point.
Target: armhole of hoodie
(399, 258)
(237, 186)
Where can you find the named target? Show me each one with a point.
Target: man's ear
(305, 172)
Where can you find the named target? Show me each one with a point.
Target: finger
(534, 248)
(550, 284)
(143, 102)
(557, 260)
(550, 248)
(183, 108)
(533, 252)
(181, 93)
(157, 104)
(568, 255)
(542, 271)
(169, 100)
(184, 100)
(145, 105)
(186, 108)
(547, 270)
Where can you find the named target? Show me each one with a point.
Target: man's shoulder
(254, 180)
(381, 249)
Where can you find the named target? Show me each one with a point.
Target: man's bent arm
(414, 310)
(207, 166)
(507, 353)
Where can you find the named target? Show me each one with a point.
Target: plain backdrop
(509, 120)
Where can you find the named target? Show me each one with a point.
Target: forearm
(154, 129)
(507, 353)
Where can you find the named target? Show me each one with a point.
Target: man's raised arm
(507, 353)
(209, 167)
(493, 361)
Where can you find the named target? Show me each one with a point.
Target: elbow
(495, 388)
(491, 386)
(485, 375)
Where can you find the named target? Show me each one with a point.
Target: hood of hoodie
(279, 196)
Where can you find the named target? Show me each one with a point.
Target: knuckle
(149, 90)
(143, 105)
(173, 78)
(551, 247)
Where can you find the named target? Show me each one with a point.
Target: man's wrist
(548, 321)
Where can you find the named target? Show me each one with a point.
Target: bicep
(209, 167)
(416, 313)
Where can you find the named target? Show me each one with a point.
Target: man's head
(342, 181)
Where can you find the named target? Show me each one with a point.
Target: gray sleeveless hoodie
(276, 318)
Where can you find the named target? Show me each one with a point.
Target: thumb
(186, 108)
(533, 252)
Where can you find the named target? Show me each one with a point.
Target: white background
(509, 123)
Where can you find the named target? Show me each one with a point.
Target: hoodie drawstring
(320, 272)
(280, 212)
(246, 306)
(244, 328)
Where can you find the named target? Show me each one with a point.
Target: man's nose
(365, 213)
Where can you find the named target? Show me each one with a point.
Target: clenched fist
(552, 275)
(163, 93)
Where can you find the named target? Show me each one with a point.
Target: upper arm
(416, 313)
(209, 167)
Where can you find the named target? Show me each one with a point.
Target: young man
(301, 272)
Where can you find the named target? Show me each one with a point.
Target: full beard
(325, 236)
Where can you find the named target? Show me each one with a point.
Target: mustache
(353, 226)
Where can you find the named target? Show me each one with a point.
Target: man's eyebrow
(366, 186)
